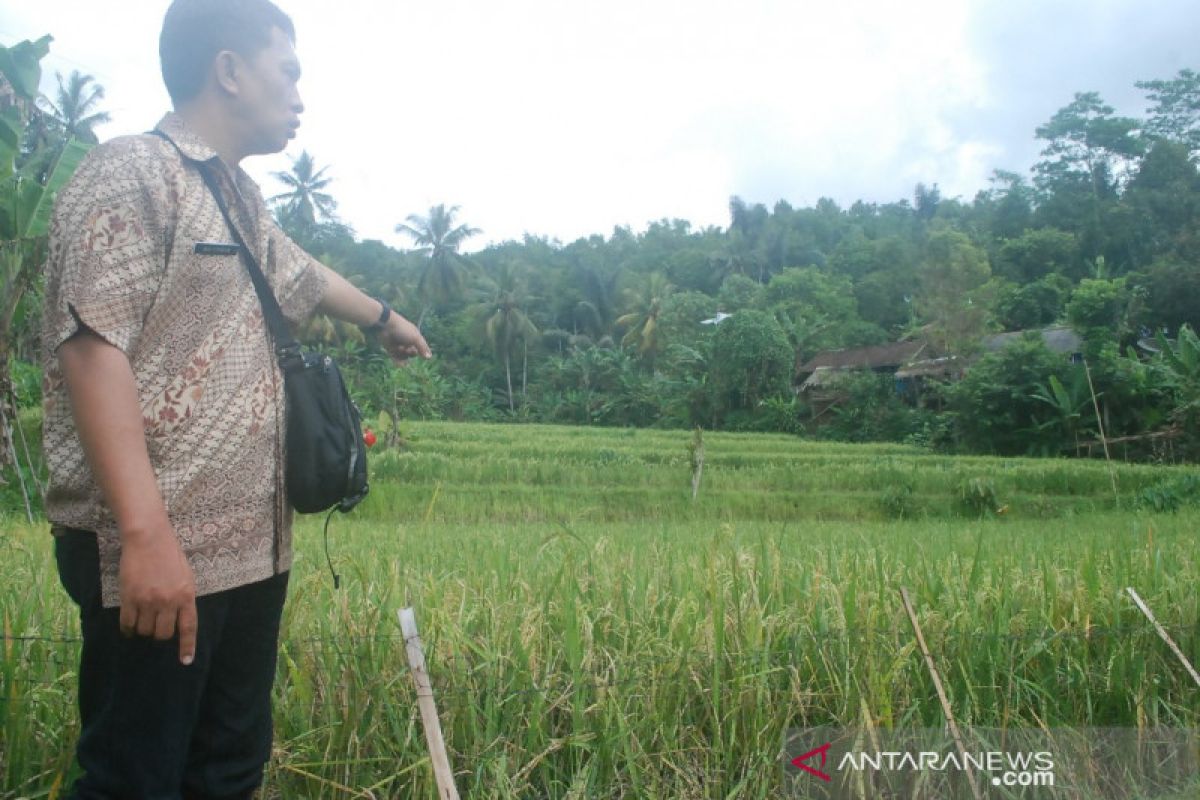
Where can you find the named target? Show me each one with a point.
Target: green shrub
(27, 384)
(898, 501)
(1170, 495)
(977, 497)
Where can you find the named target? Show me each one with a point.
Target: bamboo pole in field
(941, 693)
(429, 714)
(6, 430)
(37, 482)
(1112, 476)
(1162, 632)
(697, 452)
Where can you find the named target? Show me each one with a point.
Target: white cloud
(565, 118)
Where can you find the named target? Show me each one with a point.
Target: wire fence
(851, 634)
(455, 675)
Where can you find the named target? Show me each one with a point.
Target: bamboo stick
(1112, 476)
(941, 693)
(1162, 632)
(6, 430)
(429, 716)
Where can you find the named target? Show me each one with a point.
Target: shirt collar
(195, 148)
(187, 140)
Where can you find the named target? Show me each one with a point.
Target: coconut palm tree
(505, 324)
(304, 202)
(437, 237)
(73, 110)
(641, 321)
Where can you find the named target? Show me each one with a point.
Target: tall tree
(304, 204)
(74, 108)
(505, 324)
(640, 322)
(954, 295)
(1086, 141)
(926, 201)
(438, 238)
(1164, 198)
(751, 360)
(816, 308)
(744, 252)
(1089, 156)
(1175, 114)
(1039, 252)
(1009, 205)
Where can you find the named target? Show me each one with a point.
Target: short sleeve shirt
(123, 264)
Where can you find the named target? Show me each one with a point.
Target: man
(164, 412)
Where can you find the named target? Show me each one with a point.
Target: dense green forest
(620, 329)
(1101, 236)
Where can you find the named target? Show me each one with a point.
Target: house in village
(913, 365)
(817, 379)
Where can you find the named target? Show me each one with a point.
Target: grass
(592, 632)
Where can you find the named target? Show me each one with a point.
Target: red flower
(369, 437)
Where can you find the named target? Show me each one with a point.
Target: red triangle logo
(798, 761)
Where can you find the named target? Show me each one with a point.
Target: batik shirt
(123, 264)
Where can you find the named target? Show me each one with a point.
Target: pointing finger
(187, 633)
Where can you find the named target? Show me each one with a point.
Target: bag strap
(287, 349)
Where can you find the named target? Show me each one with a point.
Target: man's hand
(399, 337)
(158, 590)
(402, 340)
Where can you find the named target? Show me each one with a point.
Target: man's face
(269, 105)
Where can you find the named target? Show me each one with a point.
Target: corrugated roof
(877, 356)
(823, 378)
(1057, 340)
(942, 367)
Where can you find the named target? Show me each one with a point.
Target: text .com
(1019, 769)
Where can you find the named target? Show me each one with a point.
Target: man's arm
(158, 592)
(342, 300)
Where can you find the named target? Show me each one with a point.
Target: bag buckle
(289, 355)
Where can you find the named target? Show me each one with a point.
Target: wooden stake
(1163, 633)
(429, 715)
(1112, 476)
(697, 451)
(941, 693)
(37, 482)
(6, 430)
(436, 490)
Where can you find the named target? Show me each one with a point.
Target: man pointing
(164, 415)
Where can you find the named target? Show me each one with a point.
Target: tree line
(1100, 235)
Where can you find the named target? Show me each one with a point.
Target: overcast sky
(563, 118)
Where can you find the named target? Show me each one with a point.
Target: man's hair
(194, 31)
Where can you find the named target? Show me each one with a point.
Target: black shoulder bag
(325, 456)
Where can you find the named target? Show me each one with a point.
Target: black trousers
(153, 729)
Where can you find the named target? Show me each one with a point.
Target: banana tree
(1067, 403)
(32, 170)
(29, 179)
(1179, 366)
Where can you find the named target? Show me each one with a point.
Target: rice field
(593, 631)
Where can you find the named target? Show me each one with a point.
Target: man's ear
(227, 67)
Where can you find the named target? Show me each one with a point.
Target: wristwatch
(380, 323)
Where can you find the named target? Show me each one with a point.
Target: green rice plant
(592, 632)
